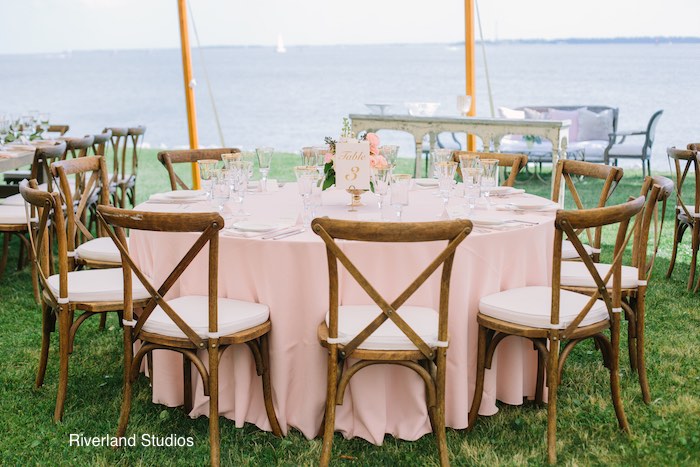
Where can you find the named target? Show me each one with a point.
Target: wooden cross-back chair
(89, 292)
(686, 165)
(188, 323)
(169, 158)
(566, 171)
(127, 181)
(548, 316)
(424, 350)
(635, 276)
(12, 213)
(100, 142)
(515, 162)
(118, 141)
(85, 249)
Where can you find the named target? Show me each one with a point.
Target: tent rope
(483, 52)
(206, 78)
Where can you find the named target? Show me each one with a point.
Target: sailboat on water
(280, 45)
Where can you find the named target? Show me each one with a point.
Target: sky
(61, 25)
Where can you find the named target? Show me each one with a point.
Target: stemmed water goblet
(464, 103)
(472, 185)
(400, 185)
(308, 156)
(306, 178)
(239, 184)
(220, 188)
(390, 153)
(446, 175)
(489, 178)
(264, 160)
(438, 155)
(227, 158)
(206, 170)
(381, 179)
(15, 127)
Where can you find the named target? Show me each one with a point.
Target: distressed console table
(489, 130)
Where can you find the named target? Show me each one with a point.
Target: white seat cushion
(234, 316)
(569, 252)
(575, 274)
(97, 285)
(13, 215)
(14, 200)
(532, 306)
(100, 249)
(690, 208)
(354, 318)
(626, 149)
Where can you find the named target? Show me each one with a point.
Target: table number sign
(351, 164)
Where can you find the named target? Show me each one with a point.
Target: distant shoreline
(657, 40)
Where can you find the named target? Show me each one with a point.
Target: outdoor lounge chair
(620, 148)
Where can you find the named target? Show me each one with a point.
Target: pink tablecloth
(290, 276)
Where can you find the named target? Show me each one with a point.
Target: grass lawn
(666, 432)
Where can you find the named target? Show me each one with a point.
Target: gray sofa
(589, 132)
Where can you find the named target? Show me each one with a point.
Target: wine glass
(230, 157)
(472, 185)
(306, 176)
(4, 130)
(44, 125)
(390, 153)
(15, 127)
(239, 183)
(264, 161)
(320, 153)
(381, 178)
(446, 175)
(28, 125)
(464, 103)
(220, 188)
(400, 184)
(206, 169)
(308, 156)
(438, 155)
(489, 178)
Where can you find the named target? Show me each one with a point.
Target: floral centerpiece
(376, 160)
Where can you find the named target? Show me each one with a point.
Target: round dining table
(290, 275)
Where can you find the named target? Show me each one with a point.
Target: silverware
(289, 234)
(276, 232)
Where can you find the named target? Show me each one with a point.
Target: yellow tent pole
(189, 86)
(470, 63)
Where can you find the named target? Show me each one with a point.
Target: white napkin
(279, 227)
(161, 198)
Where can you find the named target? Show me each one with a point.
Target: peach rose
(373, 142)
(377, 162)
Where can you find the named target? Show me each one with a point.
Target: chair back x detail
(423, 352)
(168, 158)
(569, 169)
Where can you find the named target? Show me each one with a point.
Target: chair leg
(676, 226)
(641, 359)
(214, 437)
(553, 386)
(439, 427)
(479, 387)
(187, 383)
(103, 321)
(127, 391)
(5, 252)
(149, 365)
(331, 390)
(539, 387)
(695, 239)
(632, 342)
(46, 326)
(20, 257)
(64, 324)
(267, 386)
(615, 372)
